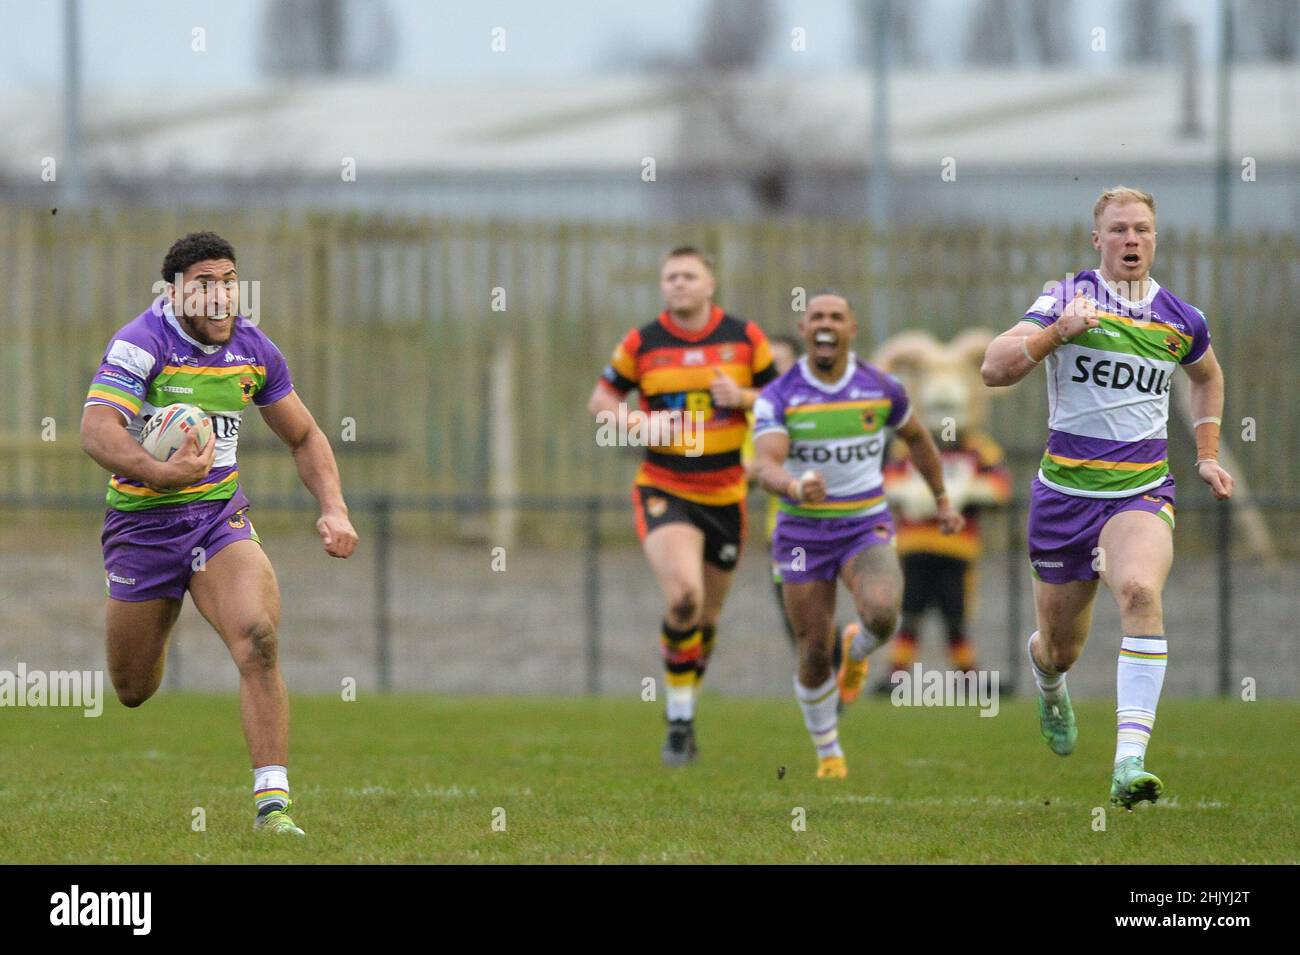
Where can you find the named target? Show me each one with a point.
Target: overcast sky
(147, 43)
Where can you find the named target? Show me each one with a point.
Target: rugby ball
(169, 428)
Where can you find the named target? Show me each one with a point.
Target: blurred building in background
(973, 146)
(998, 111)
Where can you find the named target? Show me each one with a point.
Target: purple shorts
(150, 554)
(1064, 530)
(814, 548)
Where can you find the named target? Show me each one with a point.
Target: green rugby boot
(1056, 721)
(1131, 783)
(277, 821)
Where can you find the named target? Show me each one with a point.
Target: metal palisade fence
(446, 357)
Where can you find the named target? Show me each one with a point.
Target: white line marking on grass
(1000, 801)
(934, 764)
(955, 801)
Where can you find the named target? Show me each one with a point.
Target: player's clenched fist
(724, 390)
(337, 534)
(1079, 316)
(1220, 481)
(809, 488)
(950, 519)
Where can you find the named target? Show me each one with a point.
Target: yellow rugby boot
(852, 674)
(832, 767)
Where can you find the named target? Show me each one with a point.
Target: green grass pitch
(421, 779)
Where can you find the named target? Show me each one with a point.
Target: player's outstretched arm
(1019, 350)
(319, 472)
(925, 458)
(104, 437)
(1206, 392)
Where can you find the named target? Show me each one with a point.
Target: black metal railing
(381, 510)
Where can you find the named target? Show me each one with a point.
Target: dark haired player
(183, 524)
(820, 434)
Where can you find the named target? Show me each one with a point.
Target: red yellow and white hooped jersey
(674, 369)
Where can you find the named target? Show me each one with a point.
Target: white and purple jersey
(1108, 388)
(151, 363)
(839, 429)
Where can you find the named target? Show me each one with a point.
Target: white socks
(681, 702)
(1049, 684)
(1138, 680)
(819, 705)
(864, 643)
(270, 788)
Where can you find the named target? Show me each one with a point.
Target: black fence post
(1015, 632)
(383, 622)
(1225, 597)
(591, 593)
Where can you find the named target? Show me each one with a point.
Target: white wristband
(1208, 419)
(1024, 347)
(803, 478)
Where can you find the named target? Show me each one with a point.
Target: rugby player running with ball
(182, 524)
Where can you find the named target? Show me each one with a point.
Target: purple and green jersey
(151, 363)
(1108, 387)
(838, 429)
